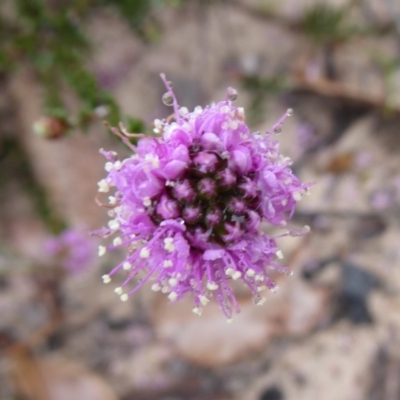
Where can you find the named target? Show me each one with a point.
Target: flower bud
(249, 188)
(191, 214)
(206, 162)
(226, 178)
(237, 206)
(213, 217)
(183, 191)
(233, 232)
(207, 188)
(167, 208)
(50, 127)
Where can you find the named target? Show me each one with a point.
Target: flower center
(211, 196)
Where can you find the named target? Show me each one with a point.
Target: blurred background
(333, 329)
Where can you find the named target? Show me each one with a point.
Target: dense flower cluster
(73, 250)
(189, 202)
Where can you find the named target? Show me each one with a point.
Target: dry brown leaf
(210, 341)
(55, 378)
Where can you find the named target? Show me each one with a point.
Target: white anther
(287, 181)
(261, 301)
(101, 111)
(274, 289)
(126, 266)
(197, 310)
(173, 296)
(152, 159)
(183, 111)
(240, 111)
(167, 264)
(155, 287)
(112, 200)
(279, 254)
(118, 165)
(108, 166)
(306, 229)
(118, 290)
(261, 288)
(124, 297)
(144, 252)
(102, 251)
(117, 241)
(250, 272)
(157, 124)
(113, 224)
(233, 124)
(104, 187)
(173, 282)
(212, 286)
(169, 244)
(282, 224)
(284, 202)
(157, 131)
(198, 109)
(289, 112)
(111, 213)
(224, 109)
(297, 196)
(260, 278)
(204, 300)
(147, 202)
(106, 278)
(237, 275)
(229, 271)
(229, 320)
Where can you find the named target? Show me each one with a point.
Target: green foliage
(14, 160)
(326, 23)
(260, 88)
(49, 37)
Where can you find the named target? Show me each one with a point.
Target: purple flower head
(73, 250)
(188, 205)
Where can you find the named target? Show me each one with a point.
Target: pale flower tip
(124, 297)
(113, 224)
(279, 254)
(197, 310)
(102, 251)
(250, 272)
(236, 275)
(155, 287)
(104, 187)
(274, 289)
(126, 266)
(118, 290)
(117, 241)
(106, 278)
(204, 300)
(173, 282)
(212, 286)
(144, 252)
(297, 196)
(173, 296)
(229, 320)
